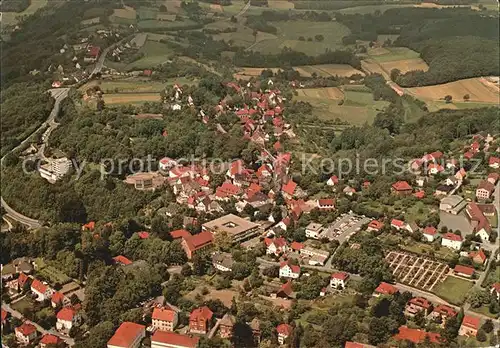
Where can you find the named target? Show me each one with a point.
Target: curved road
(59, 94)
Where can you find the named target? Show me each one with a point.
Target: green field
(53, 275)
(129, 85)
(155, 24)
(147, 13)
(370, 8)
(289, 32)
(358, 108)
(396, 53)
(453, 290)
(412, 111)
(10, 18)
(155, 53)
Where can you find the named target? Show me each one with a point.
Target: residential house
(339, 280)
(326, 204)
(222, 262)
(287, 270)
(434, 168)
(284, 223)
(416, 336)
(464, 271)
(401, 188)
(3, 317)
(349, 344)
(200, 320)
(416, 305)
(461, 174)
(284, 331)
(197, 244)
(226, 326)
(493, 178)
(317, 256)
(276, 246)
(285, 290)
(58, 299)
(49, 340)
(385, 289)
(122, 260)
(289, 189)
(26, 333)
(43, 292)
(478, 257)
(480, 224)
(165, 339)
(452, 204)
(348, 190)
(494, 162)
(67, 318)
(484, 190)
(452, 241)
(333, 180)
(495, 290)
(313, 230)
(429, 233)
(375, 226)
(398, 224)
(128, 335)
(165, 318)
(470, 326)
(442, 313)
(443, 190)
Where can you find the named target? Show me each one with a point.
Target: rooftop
(231, 224)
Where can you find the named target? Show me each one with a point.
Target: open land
(10, 18)
(131, 98)
(453, 289)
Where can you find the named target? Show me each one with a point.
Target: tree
(162, 8)
(100, 104)
(199, 265)
(481, 335)
(222, 240)
(395, 73)
(488, 326)
(319, 37)
(448, 98)
(186, 270)
(466, 97)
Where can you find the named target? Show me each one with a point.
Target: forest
(14, 5)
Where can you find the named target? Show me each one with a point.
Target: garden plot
(416, 271)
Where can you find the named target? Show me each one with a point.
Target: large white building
(55, 169)
(452, 241)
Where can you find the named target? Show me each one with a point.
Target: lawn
(412, 111)
(10, 18)
(485, 311)
(395, 53)
(53, 275)
(453, 289)
(124, 16)
(22, 305)
(127, 85)
(289, 33)
(358, 108)
(370, 8)
(155, 53)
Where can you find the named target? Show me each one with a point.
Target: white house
(222, 262)
(276, 246)
(283, 224)
(287, 270)
(26, 333)
(339, 279)
(334, 180)
(67, 318)
(284, 331)
(398, 224)
(42, 291)
(429, 233)
(165, 318)
(453, 241)
(313, 230)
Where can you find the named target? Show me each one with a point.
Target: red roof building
(128, 335)
(26, 333)
(444, 312)
(284, 331)
(397, 224)
(289, 188)
(453, 237)
(285, 290)
(89, 226)
(296, 246)
(38, 286)
(375, 225)
(354, 345)
(416, 305)
(326, 204)
(172, 339)
(50, 339)
(143, 234)
(419, 194)
(122, 260)
(180, 234)
(197, 243)
(416, 335)
(66, 314)
(478, 256)
(464, 271)
(164, 318)
(199, 320)
(470, 326)
(22, 279)
(401, 188)
(385, 289)
(57, 299)
(4, 315)
(430, 230)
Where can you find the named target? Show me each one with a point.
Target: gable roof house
(128, 335)
(200, 320)
(480, 224)
(401, 188)
(43, 292)
(385, 289)
(451, 240)
(416, 305)
(165, 318)
(284, 331)
(484, 190)
(470, 326)
(287, 270)
(26, 333)
(196, 244)
(276, 246)
(166, 339)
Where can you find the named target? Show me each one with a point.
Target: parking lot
(344, 227)
(416, 271)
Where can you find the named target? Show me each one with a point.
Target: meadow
(453, 289)
(130, 98)
(10, 18)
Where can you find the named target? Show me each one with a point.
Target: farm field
(289, 33)
(453, 289)
(358, 107)
(155, 24)
(125, 16)
(405, 65)
(130, 98)
(326, 70)
(479, 90)
(155, 53)
(389, 54)
(131, 85)
(10, 18)
(243, 37)
(370, 8)
(280, 4)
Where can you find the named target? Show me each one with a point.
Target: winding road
(59, 94)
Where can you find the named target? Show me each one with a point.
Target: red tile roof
(464, 270)
(57, 297)
(493, 160)
(294, 268)
(94, 51)
(340, 275)
(23, 278)
(39, 286)
(421, 302)
(419, 194)
(165, 314)
(284, 329)
(26, 329)
(430, 230)
(386, 289)
(326, 202)
(471, 322)
(199, 240)
(126, 334)
(401, 186)
(445, 310)
(397, 223)
(416, 335)
(479, 253)
(180, 234)
(376, 224)
(4, 314)
(289, 187)
(486, 185)
(334, 179)
(143, 235)
(202, 313)
(296, 246)
(452, 236)
(67, 314)
(354, 345)
(50, 339)
(122, 259)
(286, 288)
(174, 339)
(496, 286)
(89, 226)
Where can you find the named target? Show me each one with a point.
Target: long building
(237, 228)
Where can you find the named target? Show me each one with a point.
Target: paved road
(18, 315)
(59, 94)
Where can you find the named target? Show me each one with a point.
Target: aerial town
(261, 173)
